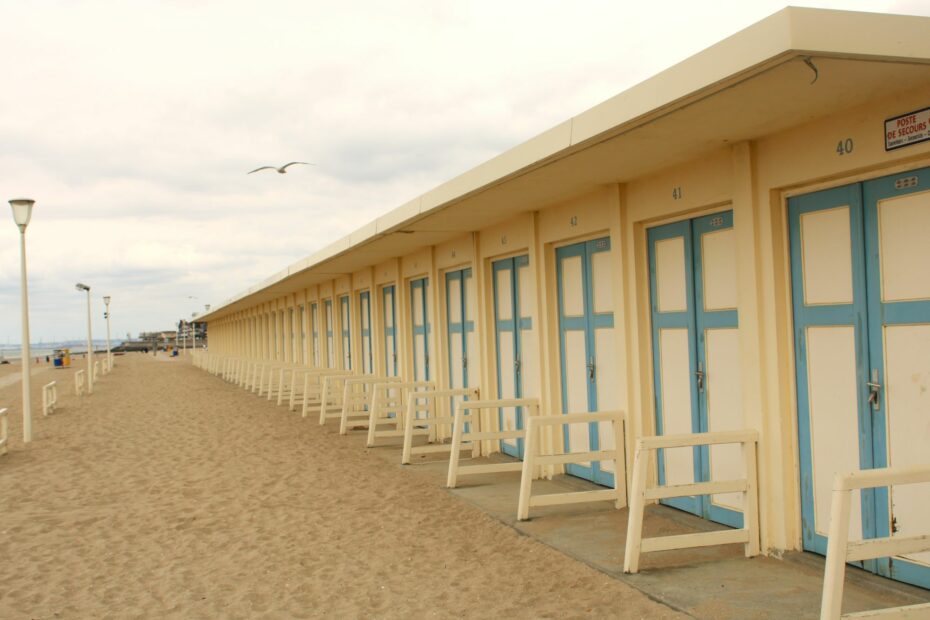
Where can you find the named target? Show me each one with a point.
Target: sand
(170, 493)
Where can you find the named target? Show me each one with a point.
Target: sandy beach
(170, 493)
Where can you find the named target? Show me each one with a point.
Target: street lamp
(90, 346)
(106, 315)
(193, 332)
(22, 212)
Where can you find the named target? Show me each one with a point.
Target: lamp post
(193, 332)
(90, 345)
(106, 314)
(22, 212)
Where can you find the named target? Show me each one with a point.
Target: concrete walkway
(712, 583)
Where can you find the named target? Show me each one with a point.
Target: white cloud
(132, 125)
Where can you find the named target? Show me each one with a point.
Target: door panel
(345, 324)
(364, 307)
(390, 331)
(897, 212)
(419, 307)
(862, 315)
(675, 358)
(696, 355)
(907, 373)
(587, 345)
(315, 334)
(724, 412)
(460, 330)
(515, 345)
(330, 338)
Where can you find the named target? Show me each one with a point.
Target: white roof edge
(789, 32)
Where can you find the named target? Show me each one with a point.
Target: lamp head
(22, 211)
(106, 300)
(206, 307)
(81, 287)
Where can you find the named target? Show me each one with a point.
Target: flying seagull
(282, 169)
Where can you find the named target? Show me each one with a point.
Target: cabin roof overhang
(755, 83)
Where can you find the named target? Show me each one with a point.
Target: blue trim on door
(696, 320)
(418, 294)
(390, 333)
(315, 335)
(511, 328)
(880, 315)
(345, 317)
(364, 305)
(851, 314)
(588, 323)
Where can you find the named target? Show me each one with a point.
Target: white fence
(480, 426)
(4, 431)
(642, 492)
(79, 383)
(49, 398)
(537, 441)
(840, 550)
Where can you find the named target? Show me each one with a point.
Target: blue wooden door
(419, 317)
(460, 327)
(460, 331)
(512, 325)
(389, 320)
(695, 336)
(364, 309)
(587, 349)
(861, 298)
(315, 360)
(330, 334)
(345, 326)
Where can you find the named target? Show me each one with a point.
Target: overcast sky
(132, 125)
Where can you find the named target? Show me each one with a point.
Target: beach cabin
(738, 243)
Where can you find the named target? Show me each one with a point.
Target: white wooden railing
(49, 398)
(840, 550)
(641, 492)
(421, 417)
(79, 383)
(4, 431)
(479, 425)
(539, 451)
(389, 403)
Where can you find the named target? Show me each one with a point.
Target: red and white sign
(907, 129)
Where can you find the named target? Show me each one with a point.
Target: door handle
(699, 374)
(516, 365)
(875, 389)
(592, 368)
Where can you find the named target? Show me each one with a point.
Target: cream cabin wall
(753, 179)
